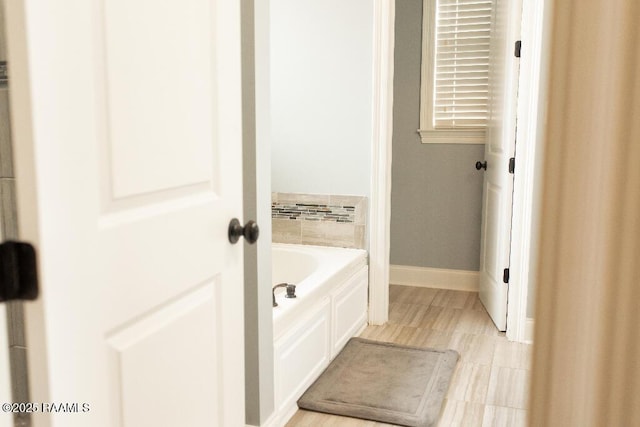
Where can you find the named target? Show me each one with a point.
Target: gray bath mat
(384, 382)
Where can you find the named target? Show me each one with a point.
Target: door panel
(498, 182)
(130, 155)
(492, 227)
(158, 91)
(193, 367)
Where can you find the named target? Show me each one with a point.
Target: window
(455, 71)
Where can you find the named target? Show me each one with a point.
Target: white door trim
(529, 146)
(380, 206)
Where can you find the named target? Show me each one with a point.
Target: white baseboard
(528, 331)
(272, 421)
(457, 280)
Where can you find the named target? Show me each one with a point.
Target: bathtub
(311, 329)
(315, 270)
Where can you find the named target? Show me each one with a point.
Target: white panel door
(128, 145)
(500, 146)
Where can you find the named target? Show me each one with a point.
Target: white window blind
(461, 68)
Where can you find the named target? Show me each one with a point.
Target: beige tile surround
(490, 384)
(308, 230)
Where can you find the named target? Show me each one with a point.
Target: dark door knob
(250, 231)
(481, 165)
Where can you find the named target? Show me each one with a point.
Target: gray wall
(436, 195)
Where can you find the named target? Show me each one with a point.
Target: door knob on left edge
(250, 231)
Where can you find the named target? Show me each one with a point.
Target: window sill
(445, 136)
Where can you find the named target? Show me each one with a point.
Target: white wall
(321, 95)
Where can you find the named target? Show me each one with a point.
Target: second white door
(500, 147)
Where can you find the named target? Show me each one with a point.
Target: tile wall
(316, 219)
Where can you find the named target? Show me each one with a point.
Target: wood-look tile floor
(490, 384)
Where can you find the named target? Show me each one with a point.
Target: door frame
(524, 225)
(531, 117)
(6, 419)
(382, 132)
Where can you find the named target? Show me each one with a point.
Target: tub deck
(334, 266)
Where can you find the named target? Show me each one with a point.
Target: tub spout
(291, 291)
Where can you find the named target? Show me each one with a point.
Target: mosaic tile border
(317, 219)
(314, 212)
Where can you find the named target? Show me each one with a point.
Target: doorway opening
(526, 184)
